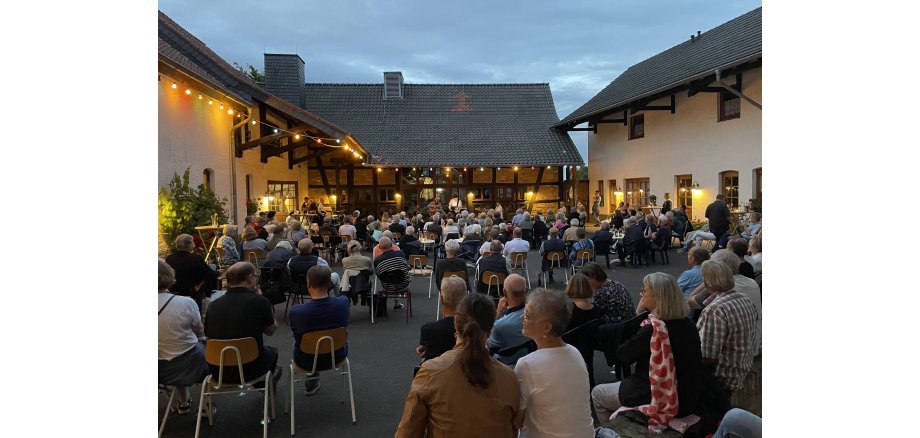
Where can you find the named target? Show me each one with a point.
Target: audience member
(610, 296)
(669, 335)
(570, 232)
(274, 236)
(507, 333)
(691, 278)
(251, 240)
(180, 355)
(437, 337)
(517, 244)
(300, 264)
(392, 269)
(230, 243)
(727, 326)
(463, 392)
(582, 243)
(451, 229)
(450, 262)
(554, 380)
(551, 244)
(352, 265)
(495, 262)
(739, 247)
(347, 229)
(321, 312)
(409, 244)
(739, 423)
(244, 313)
(193, 276)
(378, 250)
(756, 257)
(719, 218)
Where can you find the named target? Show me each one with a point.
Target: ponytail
(475, 317)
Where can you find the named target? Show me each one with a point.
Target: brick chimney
(284, 77)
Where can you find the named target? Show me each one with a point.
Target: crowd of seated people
(515, 354)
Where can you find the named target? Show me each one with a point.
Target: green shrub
(182, 208)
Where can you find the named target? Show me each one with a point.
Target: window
(729, 106)
(208, 179)
(600, 188)
(386, 195)
(637, 127)
(685, 193)
(364, 195)
(728, 185)
(637, 191)
(482, 194)
(758, 183)
(282, 196)
(522, 192)
(504, 193)
(612, 196)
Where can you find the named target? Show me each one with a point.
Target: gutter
(233, 203)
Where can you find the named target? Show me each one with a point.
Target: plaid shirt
(727, 331)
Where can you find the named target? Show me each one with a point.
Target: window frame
(731, 192)
(637, 196)
(632, 126)
(684, 192)
(279, 201)
(727, 96)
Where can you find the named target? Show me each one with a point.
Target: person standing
(666, 206)
(719, 218)
(596, 207)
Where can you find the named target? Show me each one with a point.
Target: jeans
(739, 423)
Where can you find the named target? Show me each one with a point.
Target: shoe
(397, 307)
(184, 408)
(551, 281)
(311, 387)
(204, 410)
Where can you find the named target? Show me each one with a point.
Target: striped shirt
(727, 334)
(393, 271)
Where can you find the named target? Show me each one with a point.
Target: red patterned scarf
(662, 378)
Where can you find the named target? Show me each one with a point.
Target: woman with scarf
(667, 349)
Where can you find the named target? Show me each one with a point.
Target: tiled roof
(449, 124)
(735, 41)
(191, 54)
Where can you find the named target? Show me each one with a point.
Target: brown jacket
(442, 403)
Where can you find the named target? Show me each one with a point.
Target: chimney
(284, 77)
(392, 85)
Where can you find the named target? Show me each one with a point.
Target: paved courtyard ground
(382, 359)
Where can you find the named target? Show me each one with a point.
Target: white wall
(197, 135)
(691, 141)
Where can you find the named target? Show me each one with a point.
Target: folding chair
(233, 352)
(555, 261)
(169, 404)
(602, 248)
(254, 256)
(460, 274)
(318, 343)
(496, 279)
(582, 256)
(417, 264)
(519, 263)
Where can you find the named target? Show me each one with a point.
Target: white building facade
(686, 121)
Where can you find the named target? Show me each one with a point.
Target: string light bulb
(221, 106)
(230, 111)
(337, 141)
(174, 85)
(296, 136)
(276, 130)
(253, 122)
(200, 97)
(210, 102)
(515, 168)
(188, 91)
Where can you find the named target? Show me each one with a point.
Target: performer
(455, 204)
(596, 207)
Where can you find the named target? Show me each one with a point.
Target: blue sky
(578, 47)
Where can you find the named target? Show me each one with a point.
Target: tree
(250, 71)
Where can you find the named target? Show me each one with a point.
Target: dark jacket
(438, 337)
(685, 345)
(719, 217)
(190, 270)
(494, 263)
(410, 245)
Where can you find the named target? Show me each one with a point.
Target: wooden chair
(519, 263)
(555, 261)
(492, 278)
(417, 264)
(233, 353)
(319, 343)
(461, 274)
(255, 256)
(582, 256)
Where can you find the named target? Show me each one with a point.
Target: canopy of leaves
(182, 208)
(250, 71)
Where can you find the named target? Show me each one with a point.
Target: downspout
(734, 91)
(233, 203)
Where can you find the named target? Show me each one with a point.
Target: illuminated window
(637, 191)
(284, 194)
(684, 193)
(728, 186)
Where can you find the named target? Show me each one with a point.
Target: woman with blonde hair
(229, 243)
(668, 335)
(464, 391)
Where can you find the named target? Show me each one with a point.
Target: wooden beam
(322, 173)
(643, 107)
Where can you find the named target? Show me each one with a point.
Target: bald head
(305, 246)
(515, 289)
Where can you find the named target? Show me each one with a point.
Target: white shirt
(348, 229)
(750, 288)
(175, 334)
(486, 247)
(515, 245)
(554, 388)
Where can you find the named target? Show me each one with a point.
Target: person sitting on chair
(633, 234)
(244, 313)
(347, 229)
(321, 312)
(739, 246)
(517, 244)
(609, 295)
(393, 271)
(551, 244)
(495, 262)
(438, 336)
(569, 234)
(409, 244)
(508, 323)
(353, 265)
(582, 243)
(450, 263)
(194, 278)
(693, 277)
(464, 392)
(300, 264)
(180, 355)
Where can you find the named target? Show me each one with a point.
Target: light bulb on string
(210, 102)
(200, 97)
(221, 106)
(188, 91)
(174, 85)
(297, 137)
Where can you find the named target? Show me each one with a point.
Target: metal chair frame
(325, 343)
(555, 261)
(517, 264)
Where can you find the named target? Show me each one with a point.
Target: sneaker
(311, 387)
(184, 408)
(398, 306)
